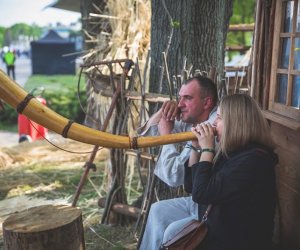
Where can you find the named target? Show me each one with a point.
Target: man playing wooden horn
(197, 104)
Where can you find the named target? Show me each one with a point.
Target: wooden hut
(275, 83)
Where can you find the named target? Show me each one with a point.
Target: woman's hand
(205, 135)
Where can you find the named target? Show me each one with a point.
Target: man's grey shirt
(170, 165)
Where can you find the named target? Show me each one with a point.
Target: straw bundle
(131, 31)
(124, 31)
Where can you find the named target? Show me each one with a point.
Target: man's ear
(208, 102)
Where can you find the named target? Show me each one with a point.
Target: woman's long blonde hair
(243, 123)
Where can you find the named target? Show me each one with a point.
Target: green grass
(53, 83)
(8, 127)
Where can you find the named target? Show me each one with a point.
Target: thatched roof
(71, 5)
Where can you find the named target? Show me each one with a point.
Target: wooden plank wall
(288, 185)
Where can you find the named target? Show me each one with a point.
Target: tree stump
(44, 228)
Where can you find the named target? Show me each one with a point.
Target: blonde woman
(239, 180)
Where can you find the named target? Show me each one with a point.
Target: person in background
(238, 181)
(197, 103)
(9, 59)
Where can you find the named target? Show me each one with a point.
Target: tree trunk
(200, 29)
(44, 228)
(195, 29)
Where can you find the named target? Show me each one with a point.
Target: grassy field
(53, 83)
(9, 127)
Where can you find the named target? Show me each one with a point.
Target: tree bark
(200, 29)
(195, 29)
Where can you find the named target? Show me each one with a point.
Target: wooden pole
(95, 149)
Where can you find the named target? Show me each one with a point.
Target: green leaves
(175, 24)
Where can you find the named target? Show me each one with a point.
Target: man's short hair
(207, 86)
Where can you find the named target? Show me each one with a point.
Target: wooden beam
(121, 208)
(235, 68)
(241, 27)
(144, 155)
(134, 95)
(237, 48)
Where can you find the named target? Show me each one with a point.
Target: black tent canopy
(49, 55)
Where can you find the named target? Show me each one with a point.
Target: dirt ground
(37, 173)
(8, 139)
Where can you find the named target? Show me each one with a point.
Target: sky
(33, 11)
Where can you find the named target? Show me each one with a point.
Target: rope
(133, 142)
(22, 105)
(66, 129)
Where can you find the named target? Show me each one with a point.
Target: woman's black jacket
(241, 188)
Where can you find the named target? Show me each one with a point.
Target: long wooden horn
(19, 99)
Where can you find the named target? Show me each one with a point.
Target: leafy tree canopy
(13, 32)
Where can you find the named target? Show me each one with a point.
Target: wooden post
(44, 228)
